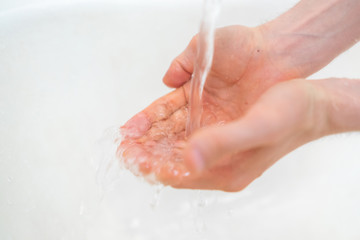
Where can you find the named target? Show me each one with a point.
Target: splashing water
(203, 63)
(157, 154)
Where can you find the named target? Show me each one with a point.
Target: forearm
(313, 33)
(340, 103)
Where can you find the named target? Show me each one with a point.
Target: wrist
(293, 50)
(312, 34)
(341, 105)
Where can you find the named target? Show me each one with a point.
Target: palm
(242, 70)
(155, 138)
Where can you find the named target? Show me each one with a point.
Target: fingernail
(198, 160)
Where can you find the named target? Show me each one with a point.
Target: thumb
(182, 66)
(210, 145)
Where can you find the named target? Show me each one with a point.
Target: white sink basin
(68, 72)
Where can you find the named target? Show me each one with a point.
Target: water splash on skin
(109, 163)
(203, 64)
(164, 140)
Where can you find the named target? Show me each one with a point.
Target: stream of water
(205, 52)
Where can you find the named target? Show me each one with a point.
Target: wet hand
(221, 156)
(245, 64)
(243, 68)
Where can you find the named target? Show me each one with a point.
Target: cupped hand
(225, 156)
(154, 142)
(245, 64)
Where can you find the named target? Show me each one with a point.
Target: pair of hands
(251, 116)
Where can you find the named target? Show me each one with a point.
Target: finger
(161, 109)
(182, 66)
(136, 159)
(209, 146)
(165, 106)
(273, 118)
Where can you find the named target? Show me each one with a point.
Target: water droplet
(230, 212)
(156, 199)
(201, 203)
(81, 208)
(9, 179)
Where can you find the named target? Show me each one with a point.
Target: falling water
(203, 63)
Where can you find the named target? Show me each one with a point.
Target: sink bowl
(71, 73)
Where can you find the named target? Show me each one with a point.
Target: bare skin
(248, 123)
(285, 117)
(249, 71)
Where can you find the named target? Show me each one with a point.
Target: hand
(243, 68)
(247, 61)
(226, 157)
